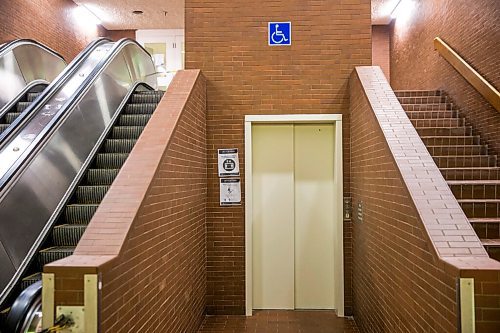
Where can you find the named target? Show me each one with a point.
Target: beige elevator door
(293, 216)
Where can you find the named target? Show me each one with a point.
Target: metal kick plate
(77, 314)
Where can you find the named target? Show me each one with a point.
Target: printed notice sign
(228, 162)
(230, 191)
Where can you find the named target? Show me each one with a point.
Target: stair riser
(119, 146)
(79, 214)
(427, 107)
(124, 132)
(417, 93)
(90, 194)
(423, 100)
(467, 162)
(457, 151)
(476, 191)
(471, 174)
(481, 209)
(447, 122)
(431, 114)
(457, 131)
(133, 120)
(487, 230)
(451, 141)
(494, 252)
(100, 177)
(45, 258)
(140, 108)
(67, 236)
(32, 96)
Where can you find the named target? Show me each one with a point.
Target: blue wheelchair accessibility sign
(280, 33)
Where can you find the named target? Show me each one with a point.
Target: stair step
(79, 214)
(445, 131)
(440, 122)
(30, 97)
(486, 227)
(488, 242)
(110, 160)
(68, 234)
(423, 100)
(417, 93)
(90, 194)
(432, 114)
(145, 108)
(486, 173)
(480, 208)
(126, 132)
(146, 97)
(3, 127)
(451, 140)
(29, 280)
(52, 254)
(488, 220)
(133, 119)
(11, 116)
(427, 107)
(475, 189)
(119, 145)
(21, 106)
(101, 176)
(465, 161)
(458, 150)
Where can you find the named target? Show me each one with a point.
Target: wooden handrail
(470, 74)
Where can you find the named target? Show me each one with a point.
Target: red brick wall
(411, 241)
(469, 27)
(227, 40)
(147, 240)
(381, 38)
(116, 35)
(50, 22)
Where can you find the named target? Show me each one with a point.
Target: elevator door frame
(335, 119)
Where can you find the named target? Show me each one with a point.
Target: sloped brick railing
(147, 241)
(411, 239)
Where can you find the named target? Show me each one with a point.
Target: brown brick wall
(147, 240)
(50, 22)
(116, 35)
(228, 41)
(381, 40)
(412, 241)
(469, 27)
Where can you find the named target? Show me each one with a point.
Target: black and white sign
(230, 191)
(228, 162)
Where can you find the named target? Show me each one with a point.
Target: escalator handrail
(26, 41)
(28, 299)
(69, 105)
(59, 81)
(5, 294)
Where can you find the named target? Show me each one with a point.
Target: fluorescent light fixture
(85, 16)
(403, 10)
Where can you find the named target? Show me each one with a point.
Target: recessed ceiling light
(137, 12)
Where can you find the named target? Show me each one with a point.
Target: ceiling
(117, 14)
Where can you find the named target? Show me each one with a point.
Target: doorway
(294, 237)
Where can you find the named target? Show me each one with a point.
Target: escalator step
(145, 108)
(90, 194)
(51, 254)
(3, 127)
(101, 176)
(133, 119)
(29, 280)
(146, 97)
(126, 132)
(110, 161)
(119, 145)
(32, 96)
(68, 234)
(21, 106)
(79, 214)
(11, 116)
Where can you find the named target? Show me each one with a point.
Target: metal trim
(4, 48)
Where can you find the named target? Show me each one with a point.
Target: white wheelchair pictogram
(278, 34)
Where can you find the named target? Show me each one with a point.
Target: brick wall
(147, 240)
(116, 35)
(412, 241)
(50, 22)
(381, 40)
(228, 41)
(469, 27)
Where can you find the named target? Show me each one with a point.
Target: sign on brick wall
(280, 33)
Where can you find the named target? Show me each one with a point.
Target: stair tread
(484, 219)
(464, 156)
(490, 241)
(474, 182)
(478, 200)
(58, 249)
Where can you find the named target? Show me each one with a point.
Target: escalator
(26, 69)
(103, 119)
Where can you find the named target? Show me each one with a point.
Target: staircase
(468, 165)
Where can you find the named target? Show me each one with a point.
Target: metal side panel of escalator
(26, 68)
(51, 189)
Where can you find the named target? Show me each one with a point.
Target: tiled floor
(280, 321)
